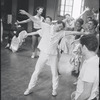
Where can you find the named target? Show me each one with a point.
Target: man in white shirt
(88, 80)
(48, 48)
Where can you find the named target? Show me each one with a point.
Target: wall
(52, 7)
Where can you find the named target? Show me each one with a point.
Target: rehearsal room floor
(16, 71)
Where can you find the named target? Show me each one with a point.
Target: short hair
(90, 41)
(38, 8)
(61, 22)
(80, 20)
(89, 17)
(49, 18)
(67, 14)
(94, 22)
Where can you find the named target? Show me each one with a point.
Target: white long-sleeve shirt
(49, 41)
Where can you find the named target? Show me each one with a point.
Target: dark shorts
(34, 30)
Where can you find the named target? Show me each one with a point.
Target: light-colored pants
(43, 58)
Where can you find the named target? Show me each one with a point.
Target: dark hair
(89, 17)
(67, 14)
(90, 41)
(38, 8)
(96, 11)
(49, 18)
(61, 22)
(94, 22)
(80, 20)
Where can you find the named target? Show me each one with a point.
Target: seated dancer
(15, 37)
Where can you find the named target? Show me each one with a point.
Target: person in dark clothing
(15, 30)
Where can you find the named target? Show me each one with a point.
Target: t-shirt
(89, 73)
(37, 26)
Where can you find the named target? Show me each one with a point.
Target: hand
(87, 8)
(23, 12)
(17, 22)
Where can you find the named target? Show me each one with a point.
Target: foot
(33, 55)
(54, 93)
(28, 91)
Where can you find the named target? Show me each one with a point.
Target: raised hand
(87, 8)
(23, 12)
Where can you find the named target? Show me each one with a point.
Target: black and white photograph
(50, 49)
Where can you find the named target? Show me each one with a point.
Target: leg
(34, 45)
(39, 65)
(37, 50)
(10, 36)
(54, 74)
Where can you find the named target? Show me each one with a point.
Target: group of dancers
(53, 39)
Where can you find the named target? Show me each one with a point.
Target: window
(66, 7)
(72, 7)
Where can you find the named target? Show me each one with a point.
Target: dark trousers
(10, 36)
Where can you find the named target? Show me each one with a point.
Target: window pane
(68, 8)
(67, 2)
(71, 2)
(61, 13)
(62, 2)
(82, 2)
(62, 7)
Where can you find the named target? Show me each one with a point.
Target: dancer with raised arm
(35, 38)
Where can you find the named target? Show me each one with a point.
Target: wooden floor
(16, 70)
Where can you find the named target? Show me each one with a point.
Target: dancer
(48, 52)
(15, 30)
(35, 38)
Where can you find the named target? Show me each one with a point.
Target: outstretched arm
(74, 33)
(32, 18)
(24, 21)
(32, 33)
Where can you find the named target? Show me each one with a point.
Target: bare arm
(24, 21)
(86, 9)
(32, 33)
(32, 18)
(74, 33)
(86, 92)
